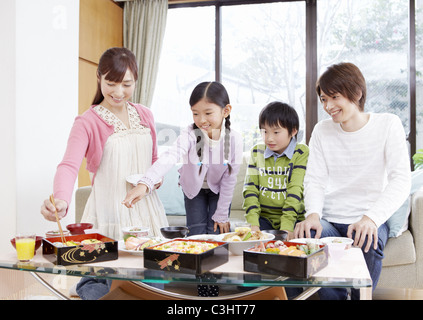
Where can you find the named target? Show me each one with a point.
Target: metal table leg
(48, 286)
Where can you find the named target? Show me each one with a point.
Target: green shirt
(273, 187)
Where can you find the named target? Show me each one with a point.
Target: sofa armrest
(416, 221)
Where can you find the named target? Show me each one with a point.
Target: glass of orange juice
(25, 246)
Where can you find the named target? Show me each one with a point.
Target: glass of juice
(25, 246)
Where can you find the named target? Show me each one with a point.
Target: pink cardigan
(87, 139)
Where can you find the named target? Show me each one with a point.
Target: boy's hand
(135, 195)
(255, 228)
(290, 235)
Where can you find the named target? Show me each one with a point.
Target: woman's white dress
(127, 151)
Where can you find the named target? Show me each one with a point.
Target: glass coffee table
(132, 278)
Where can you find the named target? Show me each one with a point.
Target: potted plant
(418, 159)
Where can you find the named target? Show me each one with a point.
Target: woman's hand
(135, 195)
(364, 228)
(224, 227)
(302, 229)
(48, 210)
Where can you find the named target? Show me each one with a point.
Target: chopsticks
(57, 219)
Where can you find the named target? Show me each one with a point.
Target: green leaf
(418, 159)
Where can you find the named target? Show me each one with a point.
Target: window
(356, 31)
(260, 64)
(419, 73)
(264, 51)
(187, 59)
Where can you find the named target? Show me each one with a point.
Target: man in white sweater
(358, 172)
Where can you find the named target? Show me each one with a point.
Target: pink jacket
(87, 138)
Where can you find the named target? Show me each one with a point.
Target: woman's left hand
(223, 226)
(364, 228)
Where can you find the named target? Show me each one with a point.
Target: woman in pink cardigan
(118, 139)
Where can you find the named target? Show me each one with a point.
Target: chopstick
(57, 219)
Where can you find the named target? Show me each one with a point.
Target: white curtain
(144, 24)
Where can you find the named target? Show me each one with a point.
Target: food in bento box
(181, 246)
(244, 234)
(279, 247)
(72, 243)
(139, 244)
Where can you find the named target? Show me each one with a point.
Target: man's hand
(364, 228)
(302, 229)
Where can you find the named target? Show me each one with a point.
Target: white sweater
(351, 174)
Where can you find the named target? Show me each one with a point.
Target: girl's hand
(159, 184)
(135, 195)
(302, 229)
(223, 226)
(364, 228)
(48, 210)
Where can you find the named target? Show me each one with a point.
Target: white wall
(7, 127)
(41, 104)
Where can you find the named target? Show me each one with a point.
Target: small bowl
(78, 228)
(279, 234)
(56, 233)
(174, 232)
(135, 231)
(38, 242)
(337, 246)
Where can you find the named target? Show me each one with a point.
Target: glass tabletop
(220, 276)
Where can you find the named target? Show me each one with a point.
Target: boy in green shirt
(273, 188)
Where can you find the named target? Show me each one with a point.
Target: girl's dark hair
(279, 114)
(344, 78)
(213, 92)
(113, 63)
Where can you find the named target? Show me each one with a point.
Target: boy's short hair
(279, 114)
(344, 78)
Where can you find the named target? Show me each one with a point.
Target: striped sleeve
(293, 207)
(251, 189)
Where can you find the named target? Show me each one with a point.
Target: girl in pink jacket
(211, 155)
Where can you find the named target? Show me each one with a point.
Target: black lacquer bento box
(284, 265)
(191, 263)
(106, 250)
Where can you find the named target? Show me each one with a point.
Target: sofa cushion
(176, 220)
(398, 222)
(400, 250)
(171, 194)
(237, 198)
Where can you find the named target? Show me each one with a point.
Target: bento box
(171, 256)
(88, 251)
(286, 265)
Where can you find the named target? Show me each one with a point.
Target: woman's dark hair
(344, 78)
(213, 92)
(114, 63)
(279, 114)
